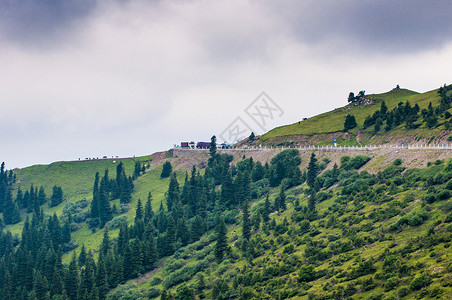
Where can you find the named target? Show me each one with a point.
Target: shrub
(419, 282)
(306, 273)
(153, 293)
(397, 162)
(403, 291)
(443, 194)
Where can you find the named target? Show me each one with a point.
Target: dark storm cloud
(376, 26)
(36, 21)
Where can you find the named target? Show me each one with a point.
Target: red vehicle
(184, 145)
(203, 145)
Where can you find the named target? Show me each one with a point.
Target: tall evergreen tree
(173, 194)
(57, 196)
(267, 210)
(213, 147)
(95, 202)
(313, 169)
(148, 213)
(41, 195)
(167, 169)
(246, 223)
(221, 245)
(105, 213)
(11, 213)
(139, 211)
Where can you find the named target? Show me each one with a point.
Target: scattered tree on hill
(167, 170)
(351, 97)
(221, 245)
(213, 146)
(252, 137)
(350, 122)
(57, 196)
(313, 170)
(246, 223)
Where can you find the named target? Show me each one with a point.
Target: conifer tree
(95, 201)
(312, 202)
(105, 213)
(72, 279)
(101, 280)
(267, 210)
(148, 213)
(246, 223)
(82, 256)
(57, 196)
(213, 147)
(139, 211)
(11, 213)
(173, 194)
(41, 195)
(227, 191)
(167, 169)
(221, 245)
(282, 199)
(137, 170)
(105, 245)
(312, 171)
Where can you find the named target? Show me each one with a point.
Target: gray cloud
(377, 26)
(38, 22)
(134, 77)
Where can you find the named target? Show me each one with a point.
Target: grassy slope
(77, 178)
(333, 121)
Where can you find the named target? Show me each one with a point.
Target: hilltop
(321, 129)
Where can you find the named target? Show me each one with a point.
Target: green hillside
(380, 236)
(268, 224)
(320, 129)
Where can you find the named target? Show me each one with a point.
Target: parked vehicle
(224, 146)
(203, 145)
(184, 145)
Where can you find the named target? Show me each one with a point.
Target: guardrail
(333, 148)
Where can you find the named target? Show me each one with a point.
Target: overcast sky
(85, 78)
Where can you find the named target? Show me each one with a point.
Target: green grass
(318, 129)
(334, 120)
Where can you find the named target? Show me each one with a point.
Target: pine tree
(221, 245)
(312, 202)
(72, 279)
(101, 280)
(148, 213)
(95, 202)
(312, 171)
(167, 169)
(246, 223)
(105, 245)
(82, 256)
(227, 191)
(213, 147)
(11, 213)
(282, 199)
(57, 196)
(105, 213)
(267, 210)
(41, 195)
(350, 122)
(139, 211)
(137, 170)
(173, 194)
